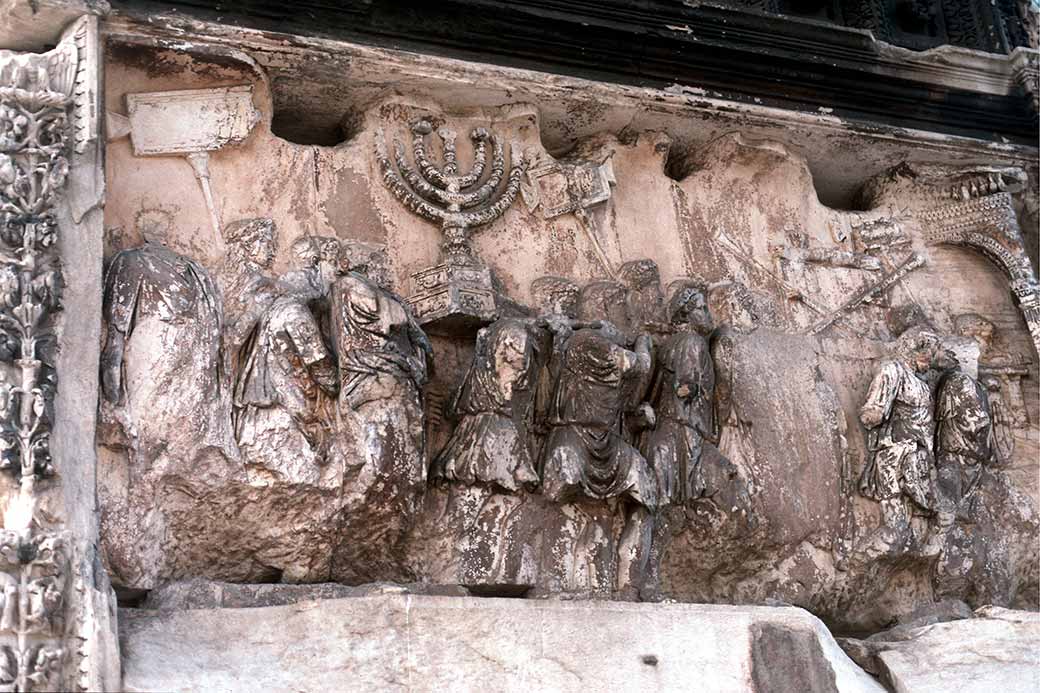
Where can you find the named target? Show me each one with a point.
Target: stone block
(399, 642)
(995, 650)
(453, 299)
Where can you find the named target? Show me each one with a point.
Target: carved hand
(871, 416)
(324, 373)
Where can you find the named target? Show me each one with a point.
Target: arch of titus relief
(631, 345)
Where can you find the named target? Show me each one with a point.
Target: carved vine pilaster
(35, 98)
(33, 570)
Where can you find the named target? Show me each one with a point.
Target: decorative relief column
(55, 602)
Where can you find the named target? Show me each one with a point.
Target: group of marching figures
(286, 373)
(314, 376)
(932, 431)
(597, 397)
(605, 391)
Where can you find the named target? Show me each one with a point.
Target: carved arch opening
(988, 225)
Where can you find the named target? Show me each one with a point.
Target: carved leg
(893, 536)
(634, 552)
(948, 482)
(661, 528)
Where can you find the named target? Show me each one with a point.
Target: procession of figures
(594, 424)
(931, 435)
(602, 392)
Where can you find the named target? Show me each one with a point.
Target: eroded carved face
(304, 254)
(733, 304)
(976, 327)
(511, 357)
(689, 307)
(328, 263)
(555, 296)
(261, 249)
(640, 274)
(930, 353)
(154, 225)
(367, 259)
(919, 348)
(922, 360)
(307, 274)
(252, 240)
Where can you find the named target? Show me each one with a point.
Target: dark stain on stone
(785, 659)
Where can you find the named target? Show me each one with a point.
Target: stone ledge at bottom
(407, 642)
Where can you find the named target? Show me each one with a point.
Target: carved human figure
(964, 441)
(898, 412)
(586, 453)
(681, 448)
(731, 304)
(604, 300)
(383, 364)
(555, 296)
(163, 344)
(285, 365)
(598, 381)
(643, 300)
(729, 462)
(556, 303)
(247, 290)
(1003, 417)
(682, 396)
(1001, 376)
(493, 403)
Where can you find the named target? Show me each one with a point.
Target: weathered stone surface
(417, 643)
(996, 649)
(810, 299)
(205, 594)
(33, 26)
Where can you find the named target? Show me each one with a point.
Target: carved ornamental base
(453, 299)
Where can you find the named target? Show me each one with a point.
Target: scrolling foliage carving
(35, 95)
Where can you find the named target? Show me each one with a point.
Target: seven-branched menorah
(458, 201)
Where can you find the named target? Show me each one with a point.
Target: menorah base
(453, 299)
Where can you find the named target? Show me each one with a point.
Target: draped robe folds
(901, 445)
(490, 445)
(168, 310)
(964, 436)
(585, 453)
(277, 398)
(674, 447)
(382, 356)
